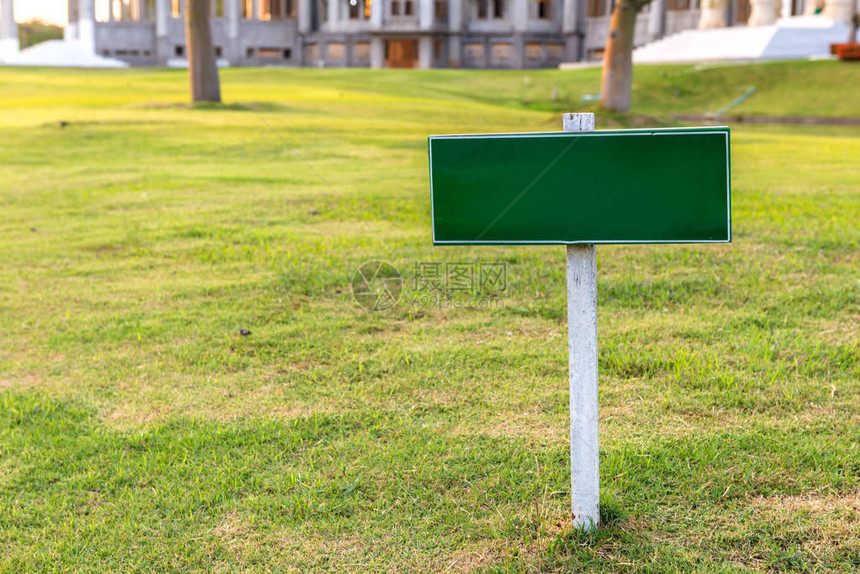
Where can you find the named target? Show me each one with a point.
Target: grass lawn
(140, 431)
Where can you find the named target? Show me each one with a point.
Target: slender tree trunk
(618, 57)
(855, 22)
(202, 69)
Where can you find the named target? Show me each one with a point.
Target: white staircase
(790, 38)
(63, 53)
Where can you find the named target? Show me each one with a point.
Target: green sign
(608, 186)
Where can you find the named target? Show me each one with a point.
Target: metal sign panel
(608, 186)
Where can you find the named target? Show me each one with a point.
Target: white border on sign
(725, 130)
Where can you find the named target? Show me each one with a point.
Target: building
(402, 33)
(9, 45)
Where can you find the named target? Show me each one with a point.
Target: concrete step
(62, 53)
(790, 38)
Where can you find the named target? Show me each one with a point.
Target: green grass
(140, 431)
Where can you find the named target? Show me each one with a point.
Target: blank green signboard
(608, 186)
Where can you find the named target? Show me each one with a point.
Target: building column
(573, 28)
(162, 17)
(838, 10)
(425, 14)
(305, 11)
(377, 52)
(520, 15)
(763, 13)
(9, 44)
(335, 8)
(232, 12)
(70, 32)
(713, 14)
(87, 24)
(377, 43)
(455, 27)
(377, 11)
(568, 17)
(520, 20)
(656, 21)
(162, 23)
(425, 52)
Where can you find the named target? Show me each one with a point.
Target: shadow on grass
(399, 485)
(211, 106)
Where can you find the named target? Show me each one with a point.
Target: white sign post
(646, 201)
(582, 356)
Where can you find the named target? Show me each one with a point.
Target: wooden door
(742, 13)
(401, 53)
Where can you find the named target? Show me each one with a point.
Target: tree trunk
(202, 69)
(618, 57)
(855, 22)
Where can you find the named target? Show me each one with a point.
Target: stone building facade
(402, 33)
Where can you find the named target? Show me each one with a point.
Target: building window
(501, 51)
(101, 9)
(473, 52)
(324, 10)
(354, 9)
(361, 52)
(678, 5)
(543, 9)
(336, 51)
(218, 8)
(247, 9)
(176, 8)
(268, 53)
(402, 8)
(311, 52)
(595, 8)
(127, 10)
(440, 10)
(488, 9)
(540, 9)
(271, 10)
(147, 10)
(554, 51)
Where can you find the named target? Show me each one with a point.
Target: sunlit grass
(139, 430)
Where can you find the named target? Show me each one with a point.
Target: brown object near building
(401, 53)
